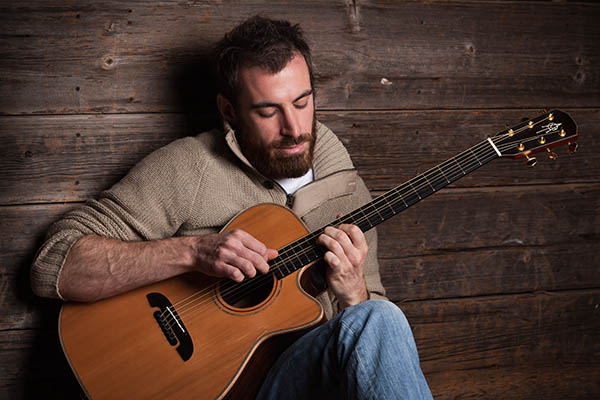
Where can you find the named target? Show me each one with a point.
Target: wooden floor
(499, 274)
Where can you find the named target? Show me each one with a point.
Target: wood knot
(108, 62)
(579, 77)
(470, 49)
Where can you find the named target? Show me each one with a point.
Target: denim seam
(359, 360)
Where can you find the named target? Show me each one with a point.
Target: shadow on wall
(194, 86)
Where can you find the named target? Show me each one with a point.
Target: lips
(294, 149)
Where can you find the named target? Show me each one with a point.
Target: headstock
(549, 130)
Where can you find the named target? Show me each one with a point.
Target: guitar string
(438, 167)
(284, 261)
(360, 220)
(275, 267)
(367, 217)
(242, 289)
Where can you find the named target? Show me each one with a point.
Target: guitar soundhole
(247, 294)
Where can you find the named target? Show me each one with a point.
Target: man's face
(275, 119)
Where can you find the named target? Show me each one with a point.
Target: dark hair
(257, 42)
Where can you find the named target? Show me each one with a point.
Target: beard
(272, 164)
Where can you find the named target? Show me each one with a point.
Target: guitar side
(117, 349)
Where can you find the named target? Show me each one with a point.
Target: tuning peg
(552, 155)
(531, 161)
(573, 146)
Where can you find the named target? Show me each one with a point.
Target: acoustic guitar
(200, 337)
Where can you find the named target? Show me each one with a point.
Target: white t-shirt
(291, 185)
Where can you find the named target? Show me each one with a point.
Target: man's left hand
(347, 250)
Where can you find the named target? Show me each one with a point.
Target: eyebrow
(265, 104)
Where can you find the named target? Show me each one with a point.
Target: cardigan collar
(321, 167)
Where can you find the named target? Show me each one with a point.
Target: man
(164, 219)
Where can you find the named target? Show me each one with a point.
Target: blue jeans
(365, 352)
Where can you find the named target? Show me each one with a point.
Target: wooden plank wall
(498, 274)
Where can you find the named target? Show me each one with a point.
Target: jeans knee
(379, 314)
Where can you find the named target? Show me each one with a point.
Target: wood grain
(72, 158)
(148, 57)
(510, 347)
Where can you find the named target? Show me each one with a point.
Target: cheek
(263, 131)
(308, 114)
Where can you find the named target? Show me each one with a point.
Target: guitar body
(118, 350)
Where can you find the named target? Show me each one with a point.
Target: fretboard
(305, 250)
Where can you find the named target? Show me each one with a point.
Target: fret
(279, 274)
(423, 186)
(463, 171)
(364, 218)
(429, 183)
(475, 155)
(386, 210)
(304, 259)
(367, 212)
(401, 197)
(409, 194)
(414, 190)
(452, 172)
(470, 165)
(393, 202)
(372, 214)
(436, 180)
(445, 177)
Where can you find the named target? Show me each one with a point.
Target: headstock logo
(551, 127)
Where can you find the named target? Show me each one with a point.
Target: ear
(226, 109)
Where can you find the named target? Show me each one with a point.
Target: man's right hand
(234, 254)
(97, 267)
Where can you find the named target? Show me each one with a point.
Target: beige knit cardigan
(194, 186)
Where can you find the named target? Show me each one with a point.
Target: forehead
(258, 85)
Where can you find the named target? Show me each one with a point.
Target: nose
(290, 124)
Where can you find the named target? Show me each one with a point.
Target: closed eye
(301, 105)
(267, 112)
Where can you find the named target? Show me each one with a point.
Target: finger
(255, 251)
(356, 235)
(271, 254)
(229, 271)
(327, 240)
(339, 236)
(335, 255)
(331, 259)
(251, 243)
(251, 261)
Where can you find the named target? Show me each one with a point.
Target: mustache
(293, 141)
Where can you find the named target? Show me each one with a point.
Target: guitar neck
(304, 251)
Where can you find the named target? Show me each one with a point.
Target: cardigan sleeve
(150, 202)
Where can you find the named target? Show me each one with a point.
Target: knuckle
(220, 268)
(335, 247)
(246, 266)
(220, 252)
(340, 235)
(235, 235)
